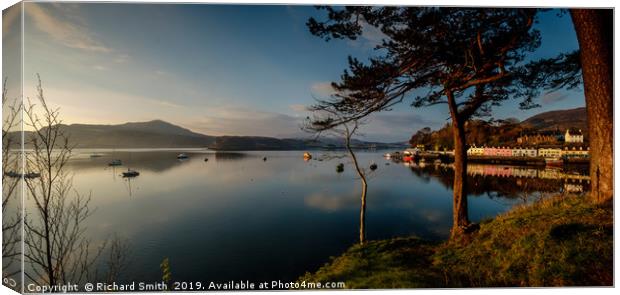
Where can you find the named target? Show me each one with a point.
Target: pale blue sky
(215, 69)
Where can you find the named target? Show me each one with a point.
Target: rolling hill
(480, 132)
(151, 134)
(561, 119)
(160, 134)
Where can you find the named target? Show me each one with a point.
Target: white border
(502, 3)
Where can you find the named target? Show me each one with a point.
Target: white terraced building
(524, 152)
(573, 136)
(550, 152)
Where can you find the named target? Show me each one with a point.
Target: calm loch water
(238, 217)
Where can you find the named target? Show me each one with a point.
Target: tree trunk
(460, 219)
(363, 213)
(364, 190)
(594, 28)
(459, 210)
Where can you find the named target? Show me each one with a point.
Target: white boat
(182, 156)
(387, 155)
(115, 163)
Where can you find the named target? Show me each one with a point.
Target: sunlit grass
(562, 241)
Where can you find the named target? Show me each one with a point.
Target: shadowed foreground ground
(563, 241)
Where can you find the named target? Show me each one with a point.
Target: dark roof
(574, 131)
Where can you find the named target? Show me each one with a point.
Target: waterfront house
(497, 151)
(524, 152)
(489, 151)
(575, 151)
(573, 136)
(475, 151)
(504, 152)
(550, 152)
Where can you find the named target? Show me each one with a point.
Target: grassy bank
(564, 241)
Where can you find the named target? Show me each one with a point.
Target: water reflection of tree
(493, 186)
(321, 123)
(229, 156)
(56, 249)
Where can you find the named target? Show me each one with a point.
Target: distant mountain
(160, 134)
(561, 119)
(270, 143)
(151, 134)
(236, 143)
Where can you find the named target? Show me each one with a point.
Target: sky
(214, 69)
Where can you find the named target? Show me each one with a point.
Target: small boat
(115, 163)
(182, 156)
(307, 156)
(373, 166)
(340, 168)
(387, 155)
(32, 175)
(131, 173)
(408, 156)
(96, 155)
(12, 174)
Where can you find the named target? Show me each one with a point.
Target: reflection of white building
(573, 136)
(573, 188)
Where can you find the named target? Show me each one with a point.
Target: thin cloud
(69, 34)
(9, 17)
(395, 127)
(329, 203)
(371, 36)
(164, 103)
(121, 58)
(298, 108)
(249, 122)
(553, 97)
(322, 89)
